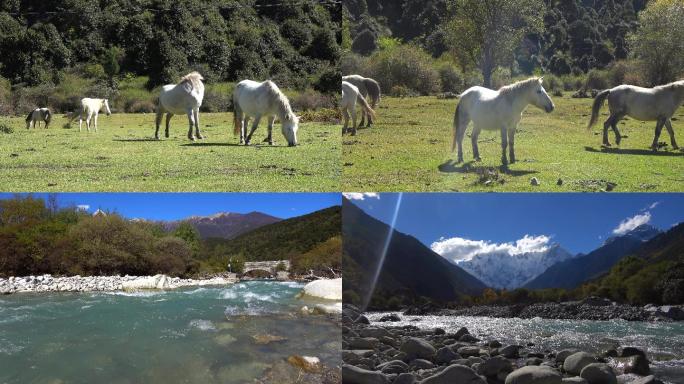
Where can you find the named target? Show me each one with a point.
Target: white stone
(329, 289)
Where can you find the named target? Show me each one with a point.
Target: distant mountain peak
(226, 225)
(644, 232)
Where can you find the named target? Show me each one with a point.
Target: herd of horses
(486, 108)
(501, 110)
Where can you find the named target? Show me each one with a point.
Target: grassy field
(123, 156)
(408, 150)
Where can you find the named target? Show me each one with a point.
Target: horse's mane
(193, 78)
(674, 84)
(520, 85)
(278, 97)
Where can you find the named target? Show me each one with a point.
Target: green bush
(405, 66)
(501, 77)
(451, 79)
(309, 100)
(573, 82)
(597, 79)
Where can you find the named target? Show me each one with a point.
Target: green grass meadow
(408, 149)
(123, 156)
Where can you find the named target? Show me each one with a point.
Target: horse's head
(540, 98)
(105, 104)
(289, 127)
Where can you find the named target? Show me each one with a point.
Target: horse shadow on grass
(639, 152)
(450, 166)
(223, 144)
(141, 140)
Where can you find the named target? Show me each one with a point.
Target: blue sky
(171, 206)
(579, 222)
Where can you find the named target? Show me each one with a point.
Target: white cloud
(459, 249)
(83, 207)
(653, 205)
(361, 195)
(630, 223)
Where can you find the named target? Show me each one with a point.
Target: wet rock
(329, 289)
(445, 355)
(647, 380)
(462, 331)
(439, 331)
(468, 351)
(631, 351)
(421, 364)
(392, 317)
(494, 344)
(563, 354)
(510, 351)
(534, 361)
(393, 366)
(637, 364)
(417, 348)
(455, 374)
(362, 342)
(574, 363)
(574, 380)
(534, 375)
(355, 375)
(468, 338)
(305, 363)
(374, 332)
(598, 373)
(263, 339)
(495, 365)
(405, 378)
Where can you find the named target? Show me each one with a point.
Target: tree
(659, 42)
(485, 33)
(185, 231)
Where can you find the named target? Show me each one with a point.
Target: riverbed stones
(264, 338)
(329, 289)
(306, 363)
(391, 318)
(467, 350)
(393, 367)
(362, 342)
(356, 375)
(420, 364)
(445, 355)
(563, 354)
(493, 366)
(374, 332)
(650, 379)
(455, 374)
(637, 364)
(574, 363)
(417, 348)
(598, 373)
(534, 375)
(510, 351)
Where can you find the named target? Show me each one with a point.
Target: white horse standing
(367, 87)
(350, 95)
(182, 98)
(38, 115)
(90, 108)
(645, 104)
(257, 100)
(497, 110)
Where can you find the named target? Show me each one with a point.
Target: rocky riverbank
(409, 355)
(588, 309)
(48, 283)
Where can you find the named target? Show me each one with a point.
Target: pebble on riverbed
(408, 355)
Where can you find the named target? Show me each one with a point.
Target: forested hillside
(38, 236)
(57, 43)
(592, 43)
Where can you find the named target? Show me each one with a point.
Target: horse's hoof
(270, 143)
(478, 159)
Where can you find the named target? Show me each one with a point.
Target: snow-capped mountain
(642, 233)
(500, 269)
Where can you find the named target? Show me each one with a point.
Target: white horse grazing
(350, 95)
(90, 108)
(497, 110)
(257, 100)
(367, 87)
(38, 115)
(645, 104)
(182, 98)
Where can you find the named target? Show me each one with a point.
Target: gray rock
(574, 380)
(534, 375)
(393, 367)
(562, 355)
(637, 364)
(468, 351)
(417, 348)
(534, 361)
(362, 342)
(356, 375)
(598, 373)
(445, 355)
(405, 378)
(420, 364)
(510, 351)
(574, 363)
(647, 380)
(461, 332)
(374, 332)
(494, 365)
(494, 344)
(455, 374)
(631, 351)
(468, 338)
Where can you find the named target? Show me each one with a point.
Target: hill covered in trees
(37, 237)
(459, 43)
(93, 45)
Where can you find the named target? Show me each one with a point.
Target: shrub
(596, 79)
(217, 101)
(573, 82)
(501, 77)
(552, 82)
(557, 92)
(399, 91)
(311, 100)
(451, 79)
(6, 128)
(139, 106)
(406, 66)
(352, 63)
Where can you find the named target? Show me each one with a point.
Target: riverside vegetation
(38, 238)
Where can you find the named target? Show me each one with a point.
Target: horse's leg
(473, 141)
(269, 138)
(95, 120)
(88, 117)
(157, 121)
(504, 144)
(670, 131)
(255, 124)
(197, 130)
(191, 122)
(511, 145)
(353, 116)
(243, 129)
(345, 115)
(658, 129)
(607, 124)
(80, 121)
(363, 114)
(167, 125)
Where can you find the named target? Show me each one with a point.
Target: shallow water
(194, 335)
(663, 342)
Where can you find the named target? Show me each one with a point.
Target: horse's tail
(373, 89)
(598, 103)
(28, 118)
(366, 107)
(237, 115)
(48, 116)
(456, 127)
